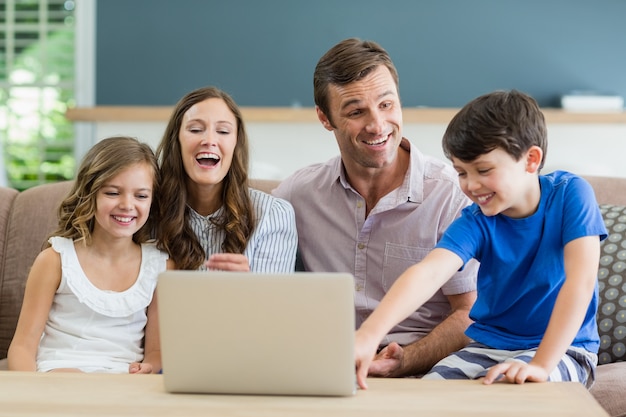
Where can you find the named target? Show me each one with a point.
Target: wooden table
(57, 394)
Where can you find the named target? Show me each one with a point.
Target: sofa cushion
(612, 285)
(609, 388)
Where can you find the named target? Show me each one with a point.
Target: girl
(89, 303)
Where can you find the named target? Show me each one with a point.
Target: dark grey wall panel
(263, 52)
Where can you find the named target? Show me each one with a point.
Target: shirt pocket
(397, 259)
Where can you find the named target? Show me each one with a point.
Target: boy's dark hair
(509, 120)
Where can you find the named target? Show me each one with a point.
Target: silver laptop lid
(246, 333)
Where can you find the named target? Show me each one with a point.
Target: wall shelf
(308, 115)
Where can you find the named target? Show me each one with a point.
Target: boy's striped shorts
(473, 362)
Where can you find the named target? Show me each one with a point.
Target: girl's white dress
(95, 330)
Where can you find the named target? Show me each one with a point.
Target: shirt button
(359, 204)
(358, 287)
(360, 246)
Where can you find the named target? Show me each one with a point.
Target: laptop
(263, 334)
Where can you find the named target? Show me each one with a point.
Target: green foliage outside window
(37, 139)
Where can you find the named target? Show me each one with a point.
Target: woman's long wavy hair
(106, 159)
(174, 232)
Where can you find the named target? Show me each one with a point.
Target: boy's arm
(41, 285)
(581, 258)
(412, 289)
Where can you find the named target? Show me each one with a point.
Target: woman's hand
(228, 262)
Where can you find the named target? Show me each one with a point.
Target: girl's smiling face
(123, 202)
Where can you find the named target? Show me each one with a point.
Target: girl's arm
(151, 363)
(581, 258)
(42, 283)
(152, 346)
(412, 289)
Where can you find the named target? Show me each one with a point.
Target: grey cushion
(612, 285)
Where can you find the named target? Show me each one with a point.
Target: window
(37, 44)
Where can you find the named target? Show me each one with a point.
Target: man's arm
(420, 356)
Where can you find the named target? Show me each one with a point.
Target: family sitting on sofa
(394, 216)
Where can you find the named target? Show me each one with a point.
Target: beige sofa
(27, 217)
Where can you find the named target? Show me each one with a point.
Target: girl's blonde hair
(102, 162)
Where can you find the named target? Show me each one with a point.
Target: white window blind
(37, 43)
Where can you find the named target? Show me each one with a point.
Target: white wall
(278, 149)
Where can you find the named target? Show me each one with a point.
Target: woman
(209, 217)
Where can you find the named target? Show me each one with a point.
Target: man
(380, 207)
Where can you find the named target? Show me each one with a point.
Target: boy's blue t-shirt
(521, 263)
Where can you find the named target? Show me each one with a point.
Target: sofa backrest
(31, 217)
(608, 190)
(28, 217)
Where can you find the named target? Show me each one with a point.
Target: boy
(537, 238)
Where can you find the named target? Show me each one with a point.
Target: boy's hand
(364, 351)
(516, 372)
